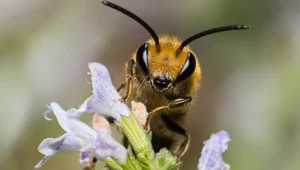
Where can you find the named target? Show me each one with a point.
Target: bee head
(165, 68)
(165, 60)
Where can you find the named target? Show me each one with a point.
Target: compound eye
(142, 58)
(188, 68)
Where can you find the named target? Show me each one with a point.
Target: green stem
(136, 134)
(112, 164)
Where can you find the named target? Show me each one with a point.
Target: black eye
(188, 68)
(142, 58)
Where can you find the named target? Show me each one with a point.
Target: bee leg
(174, 103)
(177, 129)
(122, 85)
(128, 83)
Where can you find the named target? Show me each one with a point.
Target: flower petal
(99, 72)
(47, 112)
(105, 92)
(51, 146)
(71, 124)
(211, 155)
(41, 163)
(84, 156)
(107, 146)
(105, 99)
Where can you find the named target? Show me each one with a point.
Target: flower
(211, 155)
(79, 137)
(98, 142)
(105, 99)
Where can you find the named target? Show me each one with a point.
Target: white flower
(105, 99)
(79, 137)
(211, 155)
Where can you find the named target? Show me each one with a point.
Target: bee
(164, 74)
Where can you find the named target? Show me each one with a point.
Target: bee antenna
(136, 18)
(211, 31)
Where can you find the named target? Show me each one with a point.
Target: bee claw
(129, 77)
(123, 99)
(146, 128)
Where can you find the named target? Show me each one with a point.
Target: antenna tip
(244, 27)
(105, 2)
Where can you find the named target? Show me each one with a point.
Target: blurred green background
(250, 79)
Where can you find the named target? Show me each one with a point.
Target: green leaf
(165, 160)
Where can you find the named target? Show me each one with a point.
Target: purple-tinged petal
(71, 124)
(105, 99)
(101, 71)
(105, 93)
(211, 155)
(84, 156)
(50, 146)
(224, 139)
(67, 141)
(107, 146)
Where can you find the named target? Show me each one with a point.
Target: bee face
(165, 68)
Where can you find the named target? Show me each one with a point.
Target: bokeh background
(250, 85)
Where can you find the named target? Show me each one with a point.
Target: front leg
(180, 150)
(128, 84)
(121, 86)
(173, 104)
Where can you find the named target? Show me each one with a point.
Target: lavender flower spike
(105, 99)
(79, 137)
(211, 155)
